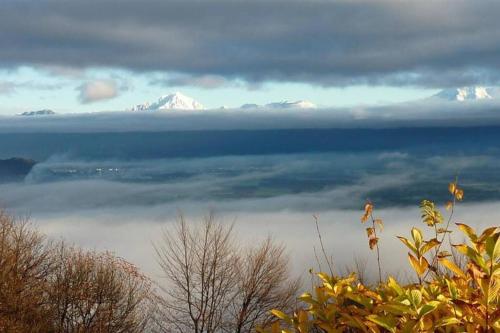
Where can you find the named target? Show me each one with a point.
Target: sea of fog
(117, 191)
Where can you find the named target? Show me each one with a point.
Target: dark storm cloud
(428, 43)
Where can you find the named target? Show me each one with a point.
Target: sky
(108, 55)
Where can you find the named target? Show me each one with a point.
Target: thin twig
(378, 251)
(322, 246)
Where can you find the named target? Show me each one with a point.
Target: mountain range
(179, 101)
(463, 94)
(44, 112)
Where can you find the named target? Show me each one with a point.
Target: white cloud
(98, 90)
(343, 234)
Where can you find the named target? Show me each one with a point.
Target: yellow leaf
(368, 211)
(452, 187)
(388, 323)
(496, 251)
(416, 234)
(429, 245)
(409, 244)
(459, 194)
(280, 315)
(448, 205)
(419, 265)
(370, 232)
(452, 267)
(471, 233)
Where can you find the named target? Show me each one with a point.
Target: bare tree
(50, 289)
(199, 264)
(97, 292)
(214, 286)
(24, 269)
(264, 284)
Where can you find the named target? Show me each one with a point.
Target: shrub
(447, 298)
(97, 292)
(25, 265)
(55, 289)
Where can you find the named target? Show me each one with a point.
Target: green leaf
(428, 308)
(415, 297)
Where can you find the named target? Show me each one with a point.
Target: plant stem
(322, 247)
(378, 251)
(433, 262)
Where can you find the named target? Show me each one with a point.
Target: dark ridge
(15, 169)
(151, 145)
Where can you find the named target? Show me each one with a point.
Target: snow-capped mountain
(465, 94)
(44, 112)
(282, 105)
(175, 101)
(291, 105)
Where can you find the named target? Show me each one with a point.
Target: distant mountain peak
(44, 112)
(282, 105)
(462, 94)
(292, 105)
(175, 101)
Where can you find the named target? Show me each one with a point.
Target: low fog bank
(295, 182)
(343, 234)
(122, 205)
(422, 114)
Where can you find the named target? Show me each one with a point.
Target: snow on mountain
(465, 94)
(292, 105)
(282, 105)
(44, 112)
(175, 101)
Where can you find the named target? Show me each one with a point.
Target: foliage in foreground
(449, 297)
(52, 288)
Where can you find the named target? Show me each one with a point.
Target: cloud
(10, 87)
(426, 113)
(330, 43)
(204, 82)
(98, 90)
(137, 229)
(112, 213)
(294, 182)
(7, 88)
